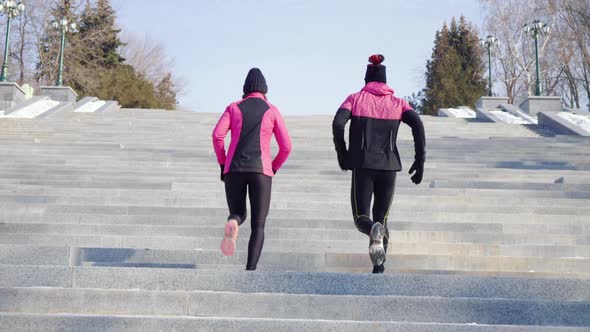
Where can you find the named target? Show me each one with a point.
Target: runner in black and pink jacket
(248, 167)
(375, 115)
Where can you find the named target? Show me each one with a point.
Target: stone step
(19, 168)
(59, 135)
(282, 282)
(204, 172)
(289, 261)
(176, 168)
(412, 194)
(336, 204)
(324, 132)
(75, 323)
(335, 186)
(134, 143)
(46, 221)
(288, 178)
(401, 246)
(537, 245)
(324, 154)
(305, 218)
(290, 229)
(286, 210)
(296, 306)
(436, 201)
(129, 184)
(325, 159)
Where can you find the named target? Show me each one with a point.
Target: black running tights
(258, 186)
(366, 185)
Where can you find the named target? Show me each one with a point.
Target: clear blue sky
(312, 52)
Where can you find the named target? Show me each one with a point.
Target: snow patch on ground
(579, 120)
(509, 118)
(91, 107)
(461, 113)
(33, 110)
(527, 117)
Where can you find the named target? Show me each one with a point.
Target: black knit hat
(375, 70)
(255, 82)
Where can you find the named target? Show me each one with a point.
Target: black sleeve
(338, 125)
(412, 119)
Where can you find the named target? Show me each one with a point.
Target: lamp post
(535, 29)
(65, 26)
(11, 9)
(488, 43)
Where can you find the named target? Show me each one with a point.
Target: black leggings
(258, 186)
(367, 183)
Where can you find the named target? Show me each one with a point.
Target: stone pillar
(486, 103)
(10, 95)
(536, 104)
(60, 93)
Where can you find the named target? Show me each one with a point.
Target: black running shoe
(378, 269)
(376, 250)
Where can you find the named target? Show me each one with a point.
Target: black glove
(341, 163)
(222, 175)
(274, 171)
(418, 167)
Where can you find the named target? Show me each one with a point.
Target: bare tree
(149, 58)
(512, 60)
(24, 39)
(564, 53)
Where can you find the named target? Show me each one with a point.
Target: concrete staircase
(111, 221)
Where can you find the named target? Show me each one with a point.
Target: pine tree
(454, 74)
(131, 90)
(416, 101)
(165, 94)
(97, 28)
(93, 63)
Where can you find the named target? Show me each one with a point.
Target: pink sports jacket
(375, 114)
(252, 122)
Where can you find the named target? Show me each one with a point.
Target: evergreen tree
(416, 100)
(122, 83)
(454, 74)
(93, 64)
(165, 94)
(97, 29)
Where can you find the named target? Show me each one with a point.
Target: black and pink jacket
(375, 115)
(252, 122)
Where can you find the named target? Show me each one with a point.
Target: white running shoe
(376, 250)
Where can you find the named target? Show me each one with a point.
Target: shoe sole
(376, 250)
(228, 244)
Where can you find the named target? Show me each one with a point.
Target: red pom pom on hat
(376, 59)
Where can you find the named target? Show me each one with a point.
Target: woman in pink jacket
(247, 166)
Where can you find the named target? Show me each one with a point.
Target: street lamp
(535, 29)
(488, 43)
(65, 27)
(11, 9)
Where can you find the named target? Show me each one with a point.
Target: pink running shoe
(228, 244)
